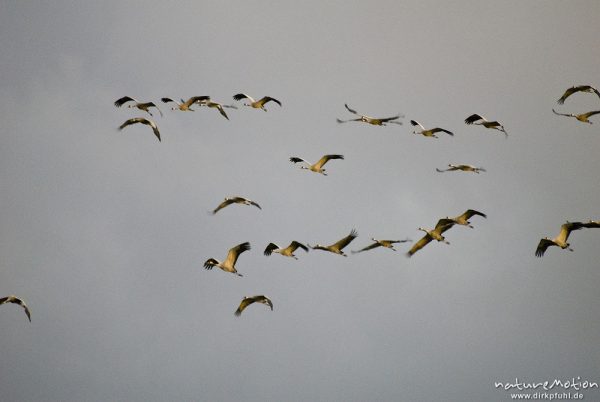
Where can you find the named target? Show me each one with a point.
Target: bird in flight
(14, 299)
(246, 301)
(235, 200)
(142, 120)
(464, 168)
(318, 166)
(229, 264)
(371, 120)
(583, 117)
(215, 105)
(436, 234)
(337, 247)
(186, 106)
(381, 243)
(288, 251)
(563, 236)
(145, 106)
(580, 88)
(482, 121)
(431, 132)
(463, 219)
(256, 104)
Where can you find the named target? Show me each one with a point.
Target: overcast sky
(104, 233)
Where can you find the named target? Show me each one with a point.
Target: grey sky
(104, 233)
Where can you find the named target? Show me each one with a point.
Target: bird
(464, 168)
(381, 243)
(256, 104)
(235, 200)
(215, 105)
(371, 120)
(337, 247)
(229, 264)
(561, 239)
(436, 234)
(288, 251)
(145, 106)
(431, 132)
(482, 121)
(186, 106)
(318, 166)
(142, 120)
(580, 88)
(463, 219)
(581, 117)
(16, 300)
(246, 301)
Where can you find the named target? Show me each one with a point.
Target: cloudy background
(104, 233)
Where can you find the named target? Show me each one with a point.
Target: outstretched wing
(351, 110)
(566, 229)
(346, 121)
(563, 114)
(210, 263)
(326, 158)
(444, 224)
(167, 100)
(119, 102)
(469, 213)
(295, 245)
(542, 246)
(437, 130)
(473, 118)
(235, 252)
(222, 205)
(238, 97)
(270, 248)
(266, 99)
(196, 99)
(420, 244)
(416, 123)
(296, 159)
(591, 224)
(340, 244)
(589, 114)
(369, 247)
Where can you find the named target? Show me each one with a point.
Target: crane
(186, 106)
(246, 301)
(229, 264)
(215, 105)
(288, 251)
(563, 236)
(16, 300)
(583, 117)
(371, 120)
(464, 168)
(142, 120)
(482, 121)
(463, 219)
(256, 104)
(431, 132)
(338, 246)
(436, 234)
(318, 166)
(235, 200)
(145, 106)
(580, 88)
(381, 243)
